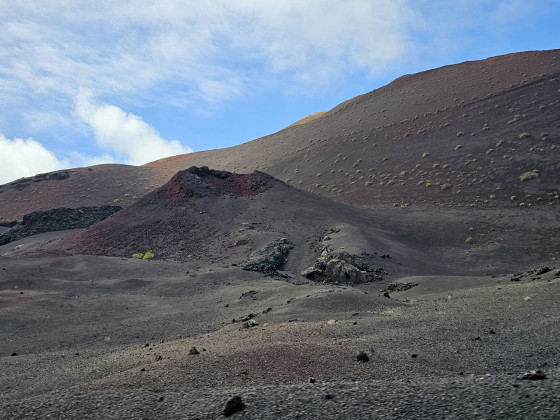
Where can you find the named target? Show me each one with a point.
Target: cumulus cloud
(126, 134)
(211, 51)
(25, 157)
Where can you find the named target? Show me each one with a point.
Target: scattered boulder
(341, 267)
(193, 351)
(250, 323)
(362, 357)
(311, 380)
(271, 258)
(543, 270)
(233, 406)
(56, 176)
(533, 375)
(401, 287)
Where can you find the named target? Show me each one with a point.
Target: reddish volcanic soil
(459, 135)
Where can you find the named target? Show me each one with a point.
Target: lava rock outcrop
(56, 220)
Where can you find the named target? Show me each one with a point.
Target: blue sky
(133, 81)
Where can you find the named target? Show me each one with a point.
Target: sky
(132, 81)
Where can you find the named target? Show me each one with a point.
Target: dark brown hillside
(73, 188)
(208, 216)
(457, 135)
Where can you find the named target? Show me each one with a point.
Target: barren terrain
(395, 257)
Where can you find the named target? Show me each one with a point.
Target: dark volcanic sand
(88, 332)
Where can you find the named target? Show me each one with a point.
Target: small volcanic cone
(176, 221)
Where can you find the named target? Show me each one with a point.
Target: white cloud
(204, 54)
(25, 157)
(80, 160)
(211, 51)
(124, 133)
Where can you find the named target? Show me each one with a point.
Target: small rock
(414, 356)
(13, 354)
(194, 351)
(492, 332)
(250, 323)
(362, 357)
(329, 397)
(543, 270)
(533, 375)
(311, 380)
(387, 295)
(158, 357)
(331, 322)
(233, 406)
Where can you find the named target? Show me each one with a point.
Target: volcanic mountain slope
(457, 135)
(73, 188)
(460, 135)
(213, 216)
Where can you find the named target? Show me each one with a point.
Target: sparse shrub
(468, 240)
(460, 133)
(446, 187)
(435, 165)
(138, 255)
(148, 255)
(458, 147)
(425, 154)
(515, 119)
(526, 176)
(524, 136)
